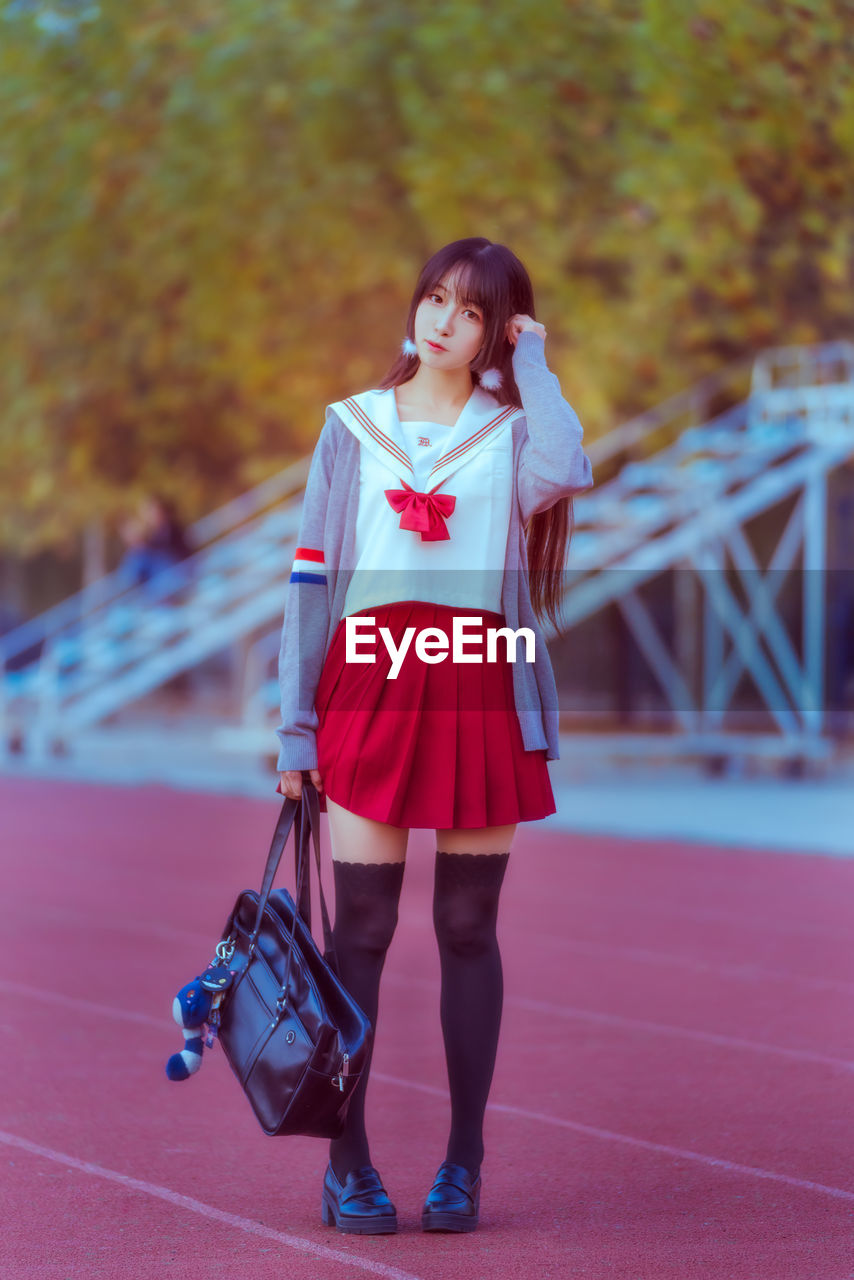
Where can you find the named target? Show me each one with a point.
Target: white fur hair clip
(491, 379)
(408, 347)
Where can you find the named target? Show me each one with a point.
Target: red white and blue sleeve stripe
(309, 566)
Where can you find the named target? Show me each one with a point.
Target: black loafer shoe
(360, 1205)
(453, 1201)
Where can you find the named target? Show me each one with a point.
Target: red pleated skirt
(440, 745)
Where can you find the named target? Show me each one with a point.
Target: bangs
(471, 286)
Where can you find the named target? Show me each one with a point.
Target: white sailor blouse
(434, 503)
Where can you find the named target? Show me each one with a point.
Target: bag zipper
(338, 1080)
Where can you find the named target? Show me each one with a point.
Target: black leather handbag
(291, 1032)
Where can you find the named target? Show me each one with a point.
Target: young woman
(438, 507)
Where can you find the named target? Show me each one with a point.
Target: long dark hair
(493, 279)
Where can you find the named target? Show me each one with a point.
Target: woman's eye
(438, 298)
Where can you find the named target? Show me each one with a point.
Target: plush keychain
(196, 1010)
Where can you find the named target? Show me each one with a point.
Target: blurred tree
(212, 214)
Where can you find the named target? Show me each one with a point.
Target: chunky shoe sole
(382, 1224)
(447, 1221)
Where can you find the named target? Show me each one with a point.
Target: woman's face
(448, 332)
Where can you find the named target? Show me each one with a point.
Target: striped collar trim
(372, 416)
(378, 436)
(473, 441)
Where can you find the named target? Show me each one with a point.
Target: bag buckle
(281, 1006)
(225, 949)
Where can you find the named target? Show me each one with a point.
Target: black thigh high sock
(465, 913)
(366, 899)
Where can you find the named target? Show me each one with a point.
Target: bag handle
(305, 814)
(274, 857)
(313, 805)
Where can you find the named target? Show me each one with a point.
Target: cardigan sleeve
(306, 617)
(552, 462)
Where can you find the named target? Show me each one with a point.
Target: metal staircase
(686, 484)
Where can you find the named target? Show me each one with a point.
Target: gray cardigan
(548, 463)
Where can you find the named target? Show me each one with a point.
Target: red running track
(673, 1097)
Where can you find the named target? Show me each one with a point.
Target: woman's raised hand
(290, 783)
(518, 324)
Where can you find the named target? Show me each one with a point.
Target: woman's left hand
(518, 324)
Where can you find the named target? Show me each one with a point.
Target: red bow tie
(422, 512)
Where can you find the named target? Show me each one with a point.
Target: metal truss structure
(688, 510)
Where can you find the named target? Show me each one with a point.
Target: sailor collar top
(373, 418)
(407, 546)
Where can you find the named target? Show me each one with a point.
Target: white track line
(742, 972)
(610, 1136)
(746, 972)
(684, 1033)
(208, 1211)
(640, 1024)
(688, 913)
(539, 1116)
(535, 1006)
(84, 1006)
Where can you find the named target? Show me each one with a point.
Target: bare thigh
(357, 839)
(475, 839)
